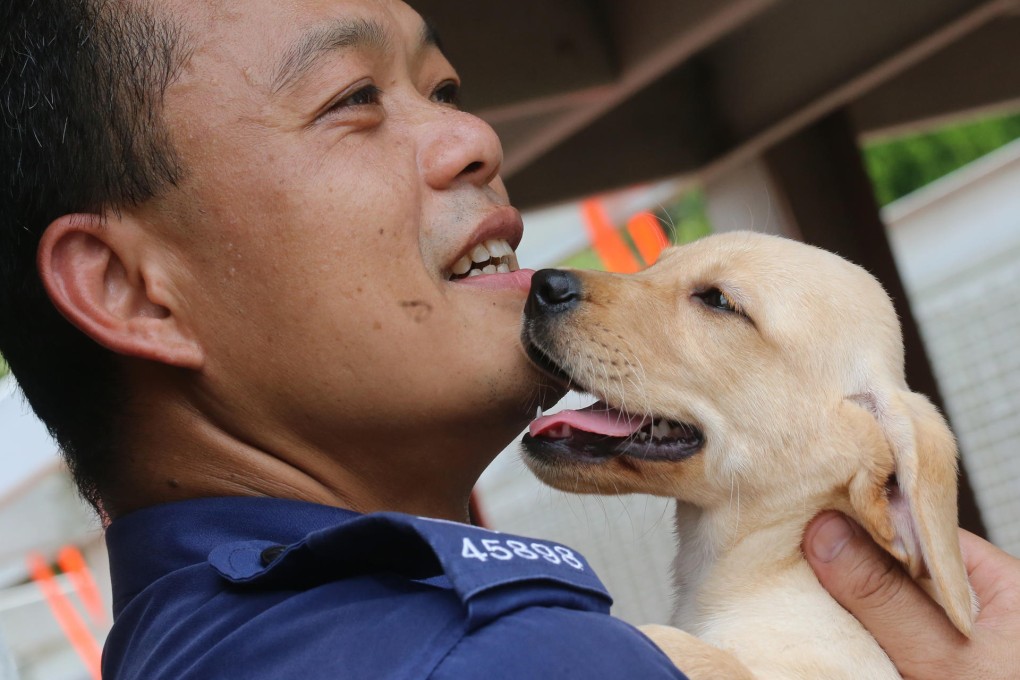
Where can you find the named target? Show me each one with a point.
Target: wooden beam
(752, 132)
(756, 85)
(664, 130)
(516, 53)
(645, 55)
(982, 72)
(820, 176)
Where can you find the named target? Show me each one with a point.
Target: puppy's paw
(696, 658)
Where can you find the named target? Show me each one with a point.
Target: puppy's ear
(905, 495)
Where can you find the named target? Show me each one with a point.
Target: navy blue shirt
(258, 588)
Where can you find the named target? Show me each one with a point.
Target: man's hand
(911, 628)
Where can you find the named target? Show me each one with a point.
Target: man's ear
(98, 274)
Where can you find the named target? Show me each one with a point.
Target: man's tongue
(597, 419)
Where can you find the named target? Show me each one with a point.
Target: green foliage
(4, 370)
(586, 259)
(686, 218)
(904, 164)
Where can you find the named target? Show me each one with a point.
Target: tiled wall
(971, 326)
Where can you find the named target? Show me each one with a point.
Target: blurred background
(886, 132)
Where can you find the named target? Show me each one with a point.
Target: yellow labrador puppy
(758, 381)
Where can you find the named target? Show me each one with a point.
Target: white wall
(39, 510)
(25, 447)
(957, 244)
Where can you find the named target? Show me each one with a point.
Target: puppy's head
(717, 362)
(752, 365)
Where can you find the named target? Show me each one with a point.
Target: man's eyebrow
(322, 40)
(430, 36)
(338, 35)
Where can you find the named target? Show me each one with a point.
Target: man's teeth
(492, 257)
(480, 254)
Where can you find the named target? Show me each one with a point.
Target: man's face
(332, 186)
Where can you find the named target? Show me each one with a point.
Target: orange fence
(71, 622)
(644, 230)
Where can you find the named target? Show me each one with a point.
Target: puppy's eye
(715, 298)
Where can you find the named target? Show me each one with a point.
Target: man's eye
(447, 93)
(365, 96)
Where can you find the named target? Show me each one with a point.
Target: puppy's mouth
(601, 432)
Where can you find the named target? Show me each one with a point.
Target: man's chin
(542, 391)
(517, 392)
(550, 391)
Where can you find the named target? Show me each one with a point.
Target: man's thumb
(827, 536)
(870, 584)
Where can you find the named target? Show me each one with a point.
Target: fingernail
(830, 538)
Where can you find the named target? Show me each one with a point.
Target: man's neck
(178, 455)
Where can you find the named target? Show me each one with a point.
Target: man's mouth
(494, 256)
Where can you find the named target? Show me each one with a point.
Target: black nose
(553, 291)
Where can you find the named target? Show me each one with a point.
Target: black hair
(81, 92)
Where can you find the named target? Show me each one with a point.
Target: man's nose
(553, 291)
(459, 147)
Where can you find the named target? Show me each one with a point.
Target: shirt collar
(150, 543)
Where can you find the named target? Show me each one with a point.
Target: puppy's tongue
(597, 419)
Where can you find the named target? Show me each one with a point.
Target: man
(261, 226)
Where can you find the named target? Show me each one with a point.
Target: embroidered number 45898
(508, 550)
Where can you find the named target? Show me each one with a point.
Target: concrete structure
(957, 243)
(7, 669)
(592, 95)
(40, 512)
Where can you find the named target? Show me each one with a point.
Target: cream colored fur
(804, 407)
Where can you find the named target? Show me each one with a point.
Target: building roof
(591, 95)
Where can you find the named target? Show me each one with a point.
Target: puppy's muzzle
(554, 294)
(553, 291)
